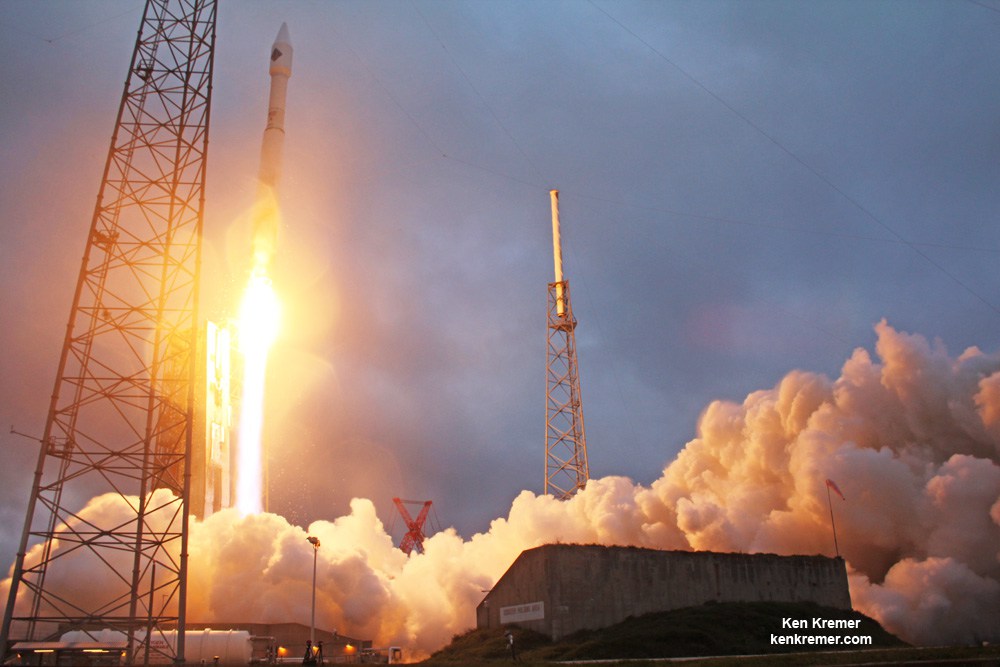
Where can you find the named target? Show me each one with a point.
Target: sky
(747, 188)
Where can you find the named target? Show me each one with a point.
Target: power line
(781, 228)
(815, 172)
(985, 6)
(385, 89)
(71, 31)
(472, 85)
(722, 219)
(441, 153)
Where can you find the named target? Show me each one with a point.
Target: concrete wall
(589, 587)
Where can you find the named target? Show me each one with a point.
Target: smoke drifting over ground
(912, 438)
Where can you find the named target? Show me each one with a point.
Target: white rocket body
(265, 233)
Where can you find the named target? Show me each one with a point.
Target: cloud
(937, 600)
(910, 438)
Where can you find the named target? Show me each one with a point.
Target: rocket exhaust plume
(259, 317)
(911, 437)
(260, 310)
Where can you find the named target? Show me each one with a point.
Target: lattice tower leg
(119, 423)
(566, 467)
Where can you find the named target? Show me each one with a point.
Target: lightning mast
(566, 468)
(119, 423)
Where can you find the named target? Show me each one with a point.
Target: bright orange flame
(260, 314)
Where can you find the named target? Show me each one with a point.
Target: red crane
(414, 538)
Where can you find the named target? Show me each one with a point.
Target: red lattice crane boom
(414, 538)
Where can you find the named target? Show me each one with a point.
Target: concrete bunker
(557, 589)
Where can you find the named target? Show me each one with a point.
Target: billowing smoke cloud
(912, 439)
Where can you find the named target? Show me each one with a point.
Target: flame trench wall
(591, 587)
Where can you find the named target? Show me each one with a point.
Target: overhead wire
(567, 237)
(475, 89)
(782, 228)
(536, 172)
(72, 31)
(985, 6)
(815, 172)
(893, 237)
(378, 81)
(443, 154)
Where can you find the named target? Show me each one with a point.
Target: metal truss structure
(566, 468)
(414, 538)
(119, 426)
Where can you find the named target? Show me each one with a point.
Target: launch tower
(566, 468)
(119, 423)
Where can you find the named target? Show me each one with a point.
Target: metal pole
(312, 619)
(149, 618)
(833, 523)
(314, 541)
(557, 252)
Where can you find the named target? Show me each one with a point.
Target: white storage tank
(231, 647)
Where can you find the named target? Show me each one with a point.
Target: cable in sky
(799, 160)
(478, 94)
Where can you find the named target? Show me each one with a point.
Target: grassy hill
(712, 629)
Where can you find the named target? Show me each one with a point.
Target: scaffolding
(566, 467)
(119, 425)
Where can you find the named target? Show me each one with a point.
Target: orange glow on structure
(260, 314)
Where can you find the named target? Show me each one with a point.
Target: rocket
(265, 224)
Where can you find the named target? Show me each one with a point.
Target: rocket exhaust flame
(259, 318)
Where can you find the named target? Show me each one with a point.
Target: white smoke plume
(912, 439)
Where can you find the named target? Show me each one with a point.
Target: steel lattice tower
(566, 468)
(120, 418)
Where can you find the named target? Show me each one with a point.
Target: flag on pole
(836, 489)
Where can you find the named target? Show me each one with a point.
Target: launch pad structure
(415, 536)
(123, 412)
(566, 466)
(119, 424)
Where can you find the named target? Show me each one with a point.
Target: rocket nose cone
(281, 52)
(283, 37)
